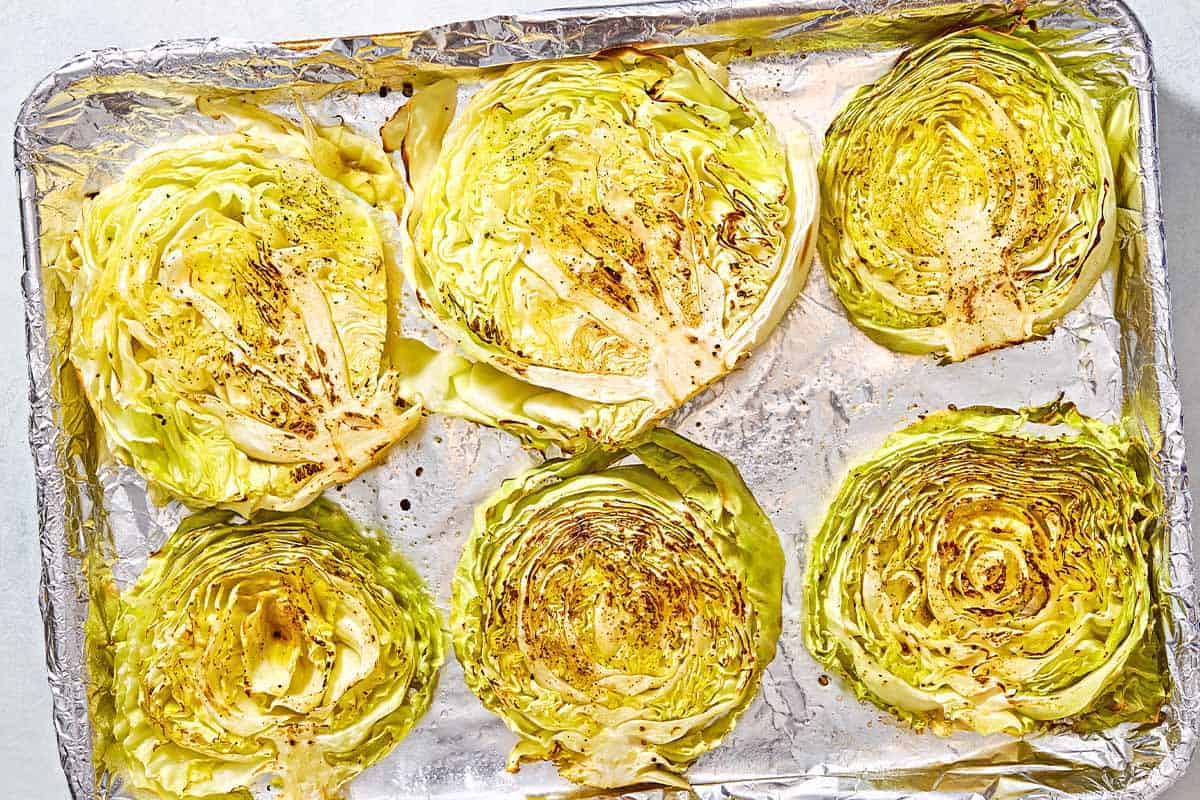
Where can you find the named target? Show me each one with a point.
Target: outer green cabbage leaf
(983, 571)
(619, 618)
(444, 382)
(297, 646)
(622, 228)
(230, 312)
(968, 199)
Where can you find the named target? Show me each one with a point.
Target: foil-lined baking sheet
(813, 398)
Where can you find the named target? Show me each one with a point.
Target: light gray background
(42, 34)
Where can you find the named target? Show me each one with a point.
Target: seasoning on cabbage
(297, 648)
(967, 197)
(619, 618)
(230, 312)
(991, 570)
(622, 228)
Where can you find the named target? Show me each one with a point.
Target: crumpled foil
(816, 396)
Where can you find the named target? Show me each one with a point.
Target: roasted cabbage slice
(618, 618)
(297, 646)
(967, 197)
(621, 228)
(991, 569)
(230, 312)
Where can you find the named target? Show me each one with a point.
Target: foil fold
(812, 399)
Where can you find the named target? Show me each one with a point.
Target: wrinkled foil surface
(814, 398)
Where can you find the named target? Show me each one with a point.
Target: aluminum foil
(813, 398)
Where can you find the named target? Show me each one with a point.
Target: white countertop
(42, 34)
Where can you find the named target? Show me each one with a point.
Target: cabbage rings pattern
(983, 571)
(230, 312)
(967, 197)
(297, 646)
(619, 618)
(622, 228)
